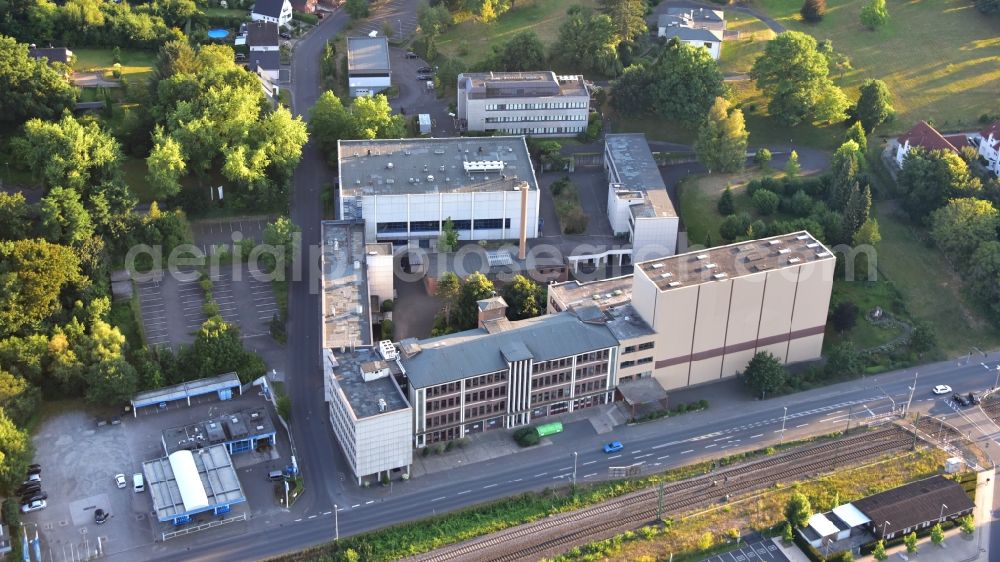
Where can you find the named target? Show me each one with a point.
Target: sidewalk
(957, 546)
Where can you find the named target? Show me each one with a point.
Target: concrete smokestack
(522, 249)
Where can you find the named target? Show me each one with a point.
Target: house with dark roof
(915, 506)
(698, 27)
(989, 146)
(52, 54)
(264, 57)
(277, 11)
(923, 135)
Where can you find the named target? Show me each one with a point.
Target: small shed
(424, 119)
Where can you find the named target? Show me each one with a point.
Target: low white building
(276, 11)
(368, 71)
(989, 146)
(698, 27)
(638, 203)
(523, 103)
(405, 189)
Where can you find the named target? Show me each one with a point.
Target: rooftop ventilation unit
(719, 276)
(430, 178)
(388, 166)
(823, 254)
(657, 265)
(673, 284)
(812, 245)
(483, 166)
(802, 237)
(784, 250)
(702, 256)
(711, 266)
(794, 260)
(382, 405)
(774, 242)
(438, 151)
(667, 275)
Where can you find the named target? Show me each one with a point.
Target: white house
(277, 11)
(698, 27)
(924, 136)
(989, 146)
(264, 57)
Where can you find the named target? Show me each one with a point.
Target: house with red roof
(924, 136)
(989, 146)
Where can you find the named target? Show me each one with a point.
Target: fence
(203, 526)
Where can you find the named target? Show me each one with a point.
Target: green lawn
(738, 54)
(472, 41)
(135, 64)
(939, 57)
(226, 12)
(866, 296)
(135, 170)
(699, 197)
(932, 290)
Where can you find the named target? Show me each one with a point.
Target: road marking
(488, 486)
(644, 456)
(517, 479)
(661, 458)
(801, 425)
(312, 517)
(438, 499)
(356, 505)
(589, 475)
(756, 436)
(614, 457)
(298, 520)
(778, 430)
(721, 438)
(589, 462)
(712, 445)
(637, 451)
(369, 502)
(688, 451)
(328, 512)
(566, 468)
(660, 446)
(540, 475)
(463, 492)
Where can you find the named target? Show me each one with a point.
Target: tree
(686, 83)
(283, 234)
(765, 374)
(787, 534)
(874, 104)
(766, 202)
(844, 316)
(875, 14)
(449, 286)
(798, 510)
(725, 204)
(31, 88)
(588, 43)
(800, 204)
(373, 119)
(795, 76)
(448, 241)
(357, 9)
(984, 275)
(111, 382)
(843, 359)
(923, 339)
(522, 298)
(734, 226)
(166, 165)
(792, 166)
(961, 225)
(879, 551)
(329, 121)
(33, 274)
(929, 179)
(844, 169)
(68, 153)
(63, 218)
(856, 133)
(911, 542)
(762, 158)
(722, 140)
(631, 92)
(14, 451)
(475, 288)
(523, 52)
(968, 525)
(813, 11)
(217, 348)
(859, 205)
(937, 534)
(433, 19)
(629, 17)
(14, 215)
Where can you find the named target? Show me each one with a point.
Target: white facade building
(406, 189)
(989, 146)
(277, 11)
(528, 103)
(698, 27)
(380, 272)
(638, 203)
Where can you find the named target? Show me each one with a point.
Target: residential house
(277, 11)
(927, 137)
(265, 56)
(698, 27)
(989, 146)
(368, 71)
(52, 54)
(305, 6)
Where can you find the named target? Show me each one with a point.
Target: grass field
(937, 56)
(866, 296)
(699, 197)
(135, 64)
(932, 290)
(471, 41)
(738, 54)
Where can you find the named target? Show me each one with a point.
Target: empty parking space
(154, 316)
(758, 551)
(210, 234)
(245, 297)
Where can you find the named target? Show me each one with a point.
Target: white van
(138, 484)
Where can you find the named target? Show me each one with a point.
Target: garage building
(221, 386)
(368, 70)
(187, 483)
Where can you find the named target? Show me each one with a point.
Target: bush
(210, 309)
(527, 436)
(813, 10)
(734, 226)
(387, 305)
(311, 19)
(285, 407)
(766, 202)
(800, 204)
(762, 158)
(725, 204)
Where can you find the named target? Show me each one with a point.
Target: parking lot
(80, 460)
(763, 550)
(216, 232)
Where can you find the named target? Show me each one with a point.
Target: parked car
(138, 483)
(959, 399)
(424, 77)
(942, 389)
(973, 399)
(285, 35)
(613, 447)
(38, 496)
(120, 480)
(34, 506)
(411, 55)
(28, 488)
(100, 516)
(425, 70)
(35, 478)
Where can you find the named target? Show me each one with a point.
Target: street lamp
(783, 418)
(336, 523)
(574, 468)
(996, 383)
(940, 515)
(883, 529)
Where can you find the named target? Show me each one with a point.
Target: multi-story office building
(638, 203)
(507, 375)
(404, 189)
(523, 103)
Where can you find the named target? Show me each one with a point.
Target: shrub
(968, 526)
(800, 204)
(734, 226)
(813, 10)
(937, 534)
(210, 309)
(387, 305)
(766, 202)
(526, 437)
(681, 408)
(911, 543)
(762, 158)
(725, 204)
(285, 407)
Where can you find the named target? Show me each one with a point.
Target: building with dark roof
(698, 27)
(915, 506)
(523, 103)
(51, 54)
(368, 70)
(924, 136)
(277, 11)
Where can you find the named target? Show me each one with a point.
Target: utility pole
(336, 523)
(912, 390)
(659, 503)
(574, 471)
(914, 447)
(783, 418)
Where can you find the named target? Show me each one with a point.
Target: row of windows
(549, 380)
(443, 435)
(554, 364)
(486, 379)
(549, 395)
(443, 419)
(486, 394)
(536, 117)
(485, 409)
(590, 386)
(634, 362)
(542, 130)
(593, 356)
(640, 347)
(592, 370)
(435, 226)
(442, 389)
(435, 405)
(543, 105)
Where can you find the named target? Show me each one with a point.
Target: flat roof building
(530, 103)
(347, 319)
(239, 431)
(368, 71)
(222, 386)
(638, 203)
(405, 189)
(698, 27)
(186, 483)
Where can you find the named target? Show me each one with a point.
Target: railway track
(628, 512)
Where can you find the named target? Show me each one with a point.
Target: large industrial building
(523, 103)
(405, 189)
(368, 411)
(638, 203)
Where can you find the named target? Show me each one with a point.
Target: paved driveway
(763, 550)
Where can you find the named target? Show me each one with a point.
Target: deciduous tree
(31, 88)
(373, 119)
(875, 14)
(449, 286)
(522, 298)
(874, 104)
(329, 121)
(475, 288)
(722, 141)
(33, 274)
(68, 153)
(166, 165)
(522, 52)
(929, 179)
(795, 76)
(962, 225)
(686, 83)
(63, 218)
(14, 215)
(813, 11)
(588, 43)
(765, 374)
(798, 510)
(629, 17)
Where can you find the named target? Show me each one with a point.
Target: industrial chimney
(522, 249)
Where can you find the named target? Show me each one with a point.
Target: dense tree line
(31, 88)
(525, 299)
(78, 23)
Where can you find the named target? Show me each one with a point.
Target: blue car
(613, 447)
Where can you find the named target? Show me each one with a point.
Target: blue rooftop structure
(221, 385)
(239, 431)
(187, 483)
